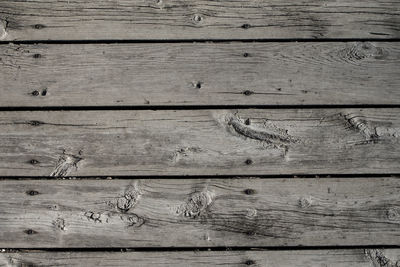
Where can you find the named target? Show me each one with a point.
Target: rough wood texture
(193, 19)
(199, 212)
(315, 258)
(200, 142)
(199, 74)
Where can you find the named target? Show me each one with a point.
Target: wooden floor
(200, 133)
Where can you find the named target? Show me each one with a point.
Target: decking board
(199, 142)
(174, 19)
(317, 258)
(185, 74)
(199, 212)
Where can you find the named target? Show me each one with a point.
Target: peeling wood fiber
(203, 213)
(378, 258)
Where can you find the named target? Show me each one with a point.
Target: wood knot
(196, 205)
(134, 221)
(246, 26)
(184, 152)
(93, 216)
(379, 259)
(359, 124)
(251, 213)
(59, 223)
(305, 202)
(363, 50)
(197, 18)
(245, 54)
(37, 56)
(129, 199)
(248, 162)
(393, 215)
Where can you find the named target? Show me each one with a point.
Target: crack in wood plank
(268, 135)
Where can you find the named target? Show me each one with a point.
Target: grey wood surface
(199, 142)
(199, 212)
(177, 74)
(192, 19)
(306, 258)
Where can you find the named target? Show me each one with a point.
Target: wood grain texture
(192, 19)
(177, 74)
(199, 212)
(299, 258)
(199, 142)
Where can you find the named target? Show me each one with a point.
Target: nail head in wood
(248, 92)
(34, 161)
(32, 192)
(249, 191)
(35, 93)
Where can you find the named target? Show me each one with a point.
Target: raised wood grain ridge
(193, 19)
(199, 142)
(177, 74)
(299, 258)
(199, 212)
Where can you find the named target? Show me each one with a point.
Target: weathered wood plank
(200, 74)
(199, 142)
(193, 19)
(299, 258)
(199, 212)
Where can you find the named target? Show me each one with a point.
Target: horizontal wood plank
(199, 212)
(193, 19)
(199, 142)
(177, 74)
(299, 258)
